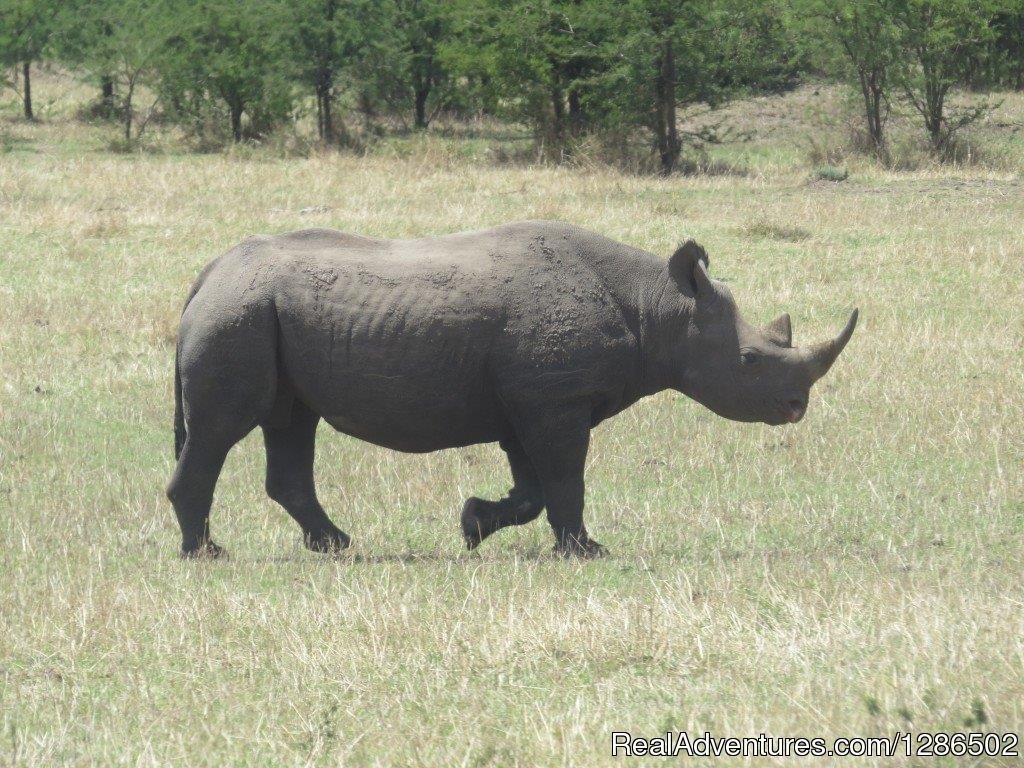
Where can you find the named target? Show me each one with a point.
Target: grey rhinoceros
(528, 335)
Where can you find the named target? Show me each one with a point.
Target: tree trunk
(575, 113)
(107, 95)
(874, 103)
(26, 68)
(666, 132)
(876, 124)
(236, 122)
(128, 112)
(934, 106)
(324, 114)
(328, 117)
(933, 119)
(870, 111)
(421, 96)
(557, 116)
(319, 114)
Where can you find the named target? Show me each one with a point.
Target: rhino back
(422, 344)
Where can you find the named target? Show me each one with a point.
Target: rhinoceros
(528, 335)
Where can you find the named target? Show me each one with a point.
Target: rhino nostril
(796, 404)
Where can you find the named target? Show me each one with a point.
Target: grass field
(856, 574)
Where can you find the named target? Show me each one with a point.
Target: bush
(831, 173)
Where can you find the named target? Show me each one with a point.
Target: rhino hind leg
(227, 375)
(191, 492)
(523, 504)
(290, 483)
(213, 429)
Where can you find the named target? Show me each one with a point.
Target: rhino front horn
(821, 356)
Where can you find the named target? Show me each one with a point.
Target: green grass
(856, 574)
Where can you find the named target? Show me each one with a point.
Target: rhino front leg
(523, 504)
(557, 446)
(290, 479)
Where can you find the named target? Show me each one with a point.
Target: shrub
(831, 173)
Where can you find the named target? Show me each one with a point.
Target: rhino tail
(179, 416)
(180, 433)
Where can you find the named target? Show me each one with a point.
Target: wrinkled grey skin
(528, 335)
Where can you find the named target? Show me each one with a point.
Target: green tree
(81, 25)
(938, 39)
(539, 61)
(569, 68)
(326, 40)
(423, 25)
(858, 39)
(120, 43)
(668, 60)
(1004, 60)
(25, 30)
(670, 33)
(232, 53)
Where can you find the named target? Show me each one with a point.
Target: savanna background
(857, 574)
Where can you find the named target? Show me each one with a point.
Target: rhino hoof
(587, 549)
(328, 542)
(474, 530)
(207, 550)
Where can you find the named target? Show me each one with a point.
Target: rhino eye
(749, 358)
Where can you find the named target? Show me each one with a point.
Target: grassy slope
(855, 574)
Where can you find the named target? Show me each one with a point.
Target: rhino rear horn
(821, 356)
(780, 330)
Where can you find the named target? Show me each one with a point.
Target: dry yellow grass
(856, 574)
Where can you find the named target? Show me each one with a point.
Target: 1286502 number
(962, 744)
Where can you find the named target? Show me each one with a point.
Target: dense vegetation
(612, 71)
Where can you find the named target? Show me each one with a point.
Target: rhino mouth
(795, 410)
(788, 412)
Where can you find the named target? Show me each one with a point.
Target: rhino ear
(780, 330)
(688, 268)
